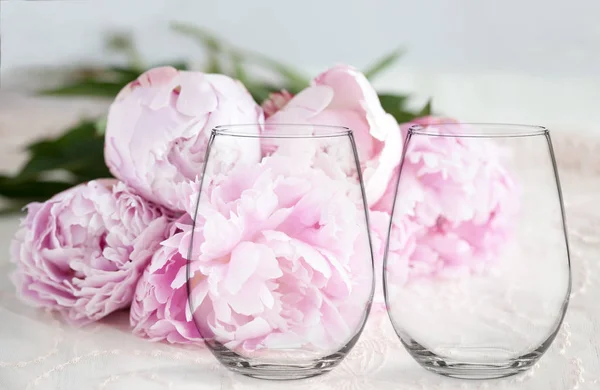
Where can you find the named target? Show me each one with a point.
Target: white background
(527, 61)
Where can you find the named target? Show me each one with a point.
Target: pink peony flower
(456, 202)
(281, 260)
(401, 248)
(276, 102)
(82, 252)
(160, 308)
(342, 96)
(159, 127)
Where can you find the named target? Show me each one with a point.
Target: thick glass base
(282, 364)
(256, 368)
(476, 371)
(490, 363)
(281, 371)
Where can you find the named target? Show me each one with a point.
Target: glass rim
(495, 130)
(324, 131)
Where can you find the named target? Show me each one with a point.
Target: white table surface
(38, 351)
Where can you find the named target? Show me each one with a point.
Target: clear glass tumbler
(477, 271)
(280, 268)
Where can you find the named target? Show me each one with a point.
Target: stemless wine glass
(477, 271)
(280, 268)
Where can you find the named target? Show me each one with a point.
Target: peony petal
(256, 328)
(197, 96)
(244, 262)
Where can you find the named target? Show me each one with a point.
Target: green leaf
(87, 88)
(239, 72)
(78, 154)
(125, 74)
(404, 116)
(208, 40)
(395, 105)
(392, 103)
(179, 65)
(123, 43)
(119, 42)
(294, 80)
(216, 48)
(76, 133)
(79, 151)
(30, 190)
(105, 82)
(382, 64)
(100, 126)
(12, 208)
(261, 92)
(213, 64)
(426, 110)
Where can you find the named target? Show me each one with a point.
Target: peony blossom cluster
(82, 252)
(342, 96)
(277, 252)
(160, 310)
(454, 206)
(159, 125)
(455, 200)
(281, 262)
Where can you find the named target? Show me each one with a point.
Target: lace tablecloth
(38, 351)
